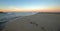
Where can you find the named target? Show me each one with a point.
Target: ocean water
(22, 13)
(8, 15)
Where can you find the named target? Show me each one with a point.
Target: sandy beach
(37, 22)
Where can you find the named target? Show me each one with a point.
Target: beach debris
(42, 28)
(34, 23)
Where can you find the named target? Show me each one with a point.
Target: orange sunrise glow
(32, 10)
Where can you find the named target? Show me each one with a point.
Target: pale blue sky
(28, 3)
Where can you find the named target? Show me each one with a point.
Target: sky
(26, 5)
